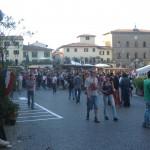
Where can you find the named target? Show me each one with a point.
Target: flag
(9, 79)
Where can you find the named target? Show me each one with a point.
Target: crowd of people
(115, 90)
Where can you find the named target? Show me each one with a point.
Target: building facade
(11, 47)
(37, 53)
(130, 48)
(85, 51)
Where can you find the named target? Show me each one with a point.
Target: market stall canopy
(102, 65)
(88, 65)
(39, 66)
(143, 70)
(75, 63)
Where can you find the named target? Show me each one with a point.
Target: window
(93, 49)
(144, 55)
(108, 59)
(136, 44)
(16, 52)
(127, 44)
(46, 54)
(7, 43)
(136, 55)
(68, 49)
(7, 53)
(118, 56)
(75, 50)
(16, 44)
(118, 44)
(24, 54)
(34, 54)
(87, 38)
(85, 49)
(144, 44)
(101, 53)
(127, 55)
(108, 53)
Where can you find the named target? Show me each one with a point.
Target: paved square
(39, 113)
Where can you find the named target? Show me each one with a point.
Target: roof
(35, 48)
(135, 30)
(84, 35)
(84, 45)
(11, 37)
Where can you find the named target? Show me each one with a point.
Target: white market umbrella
(143, 70)
(88, 65)
(102, 65)
(75, 63)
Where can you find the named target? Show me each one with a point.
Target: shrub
(139, 83)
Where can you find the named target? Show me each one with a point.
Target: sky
(59, 22)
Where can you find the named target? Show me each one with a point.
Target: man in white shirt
(91, 84)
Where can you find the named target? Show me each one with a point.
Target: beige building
(85, 51)
(37, 53)
(12, 48)
(130, 47)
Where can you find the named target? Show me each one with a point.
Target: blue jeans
(109, 98)
(71, 93)
(77, 94)
(30, 95)
(92, 102)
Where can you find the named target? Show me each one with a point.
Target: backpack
(77, 81)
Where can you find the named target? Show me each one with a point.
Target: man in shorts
(91, 85)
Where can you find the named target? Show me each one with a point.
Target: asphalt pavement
(58, 123)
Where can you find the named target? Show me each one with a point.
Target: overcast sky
(59, 22)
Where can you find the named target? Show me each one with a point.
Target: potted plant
(139, 85)
(11, 112)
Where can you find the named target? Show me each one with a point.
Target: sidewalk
(24, 135)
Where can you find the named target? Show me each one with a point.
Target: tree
(7, 24)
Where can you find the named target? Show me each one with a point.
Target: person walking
(54, 83)
(125, 90)
(20, 79)
(70, 86)
(107, 90)
(30, 83)
(116, 95)
(146, 123)
(91, 85)
(77, 87)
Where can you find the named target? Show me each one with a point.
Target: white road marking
(23, 98)
(33, 113)
(49, 111)
(25, 114)
(24, 111)
(35, 116)
(37, 120)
